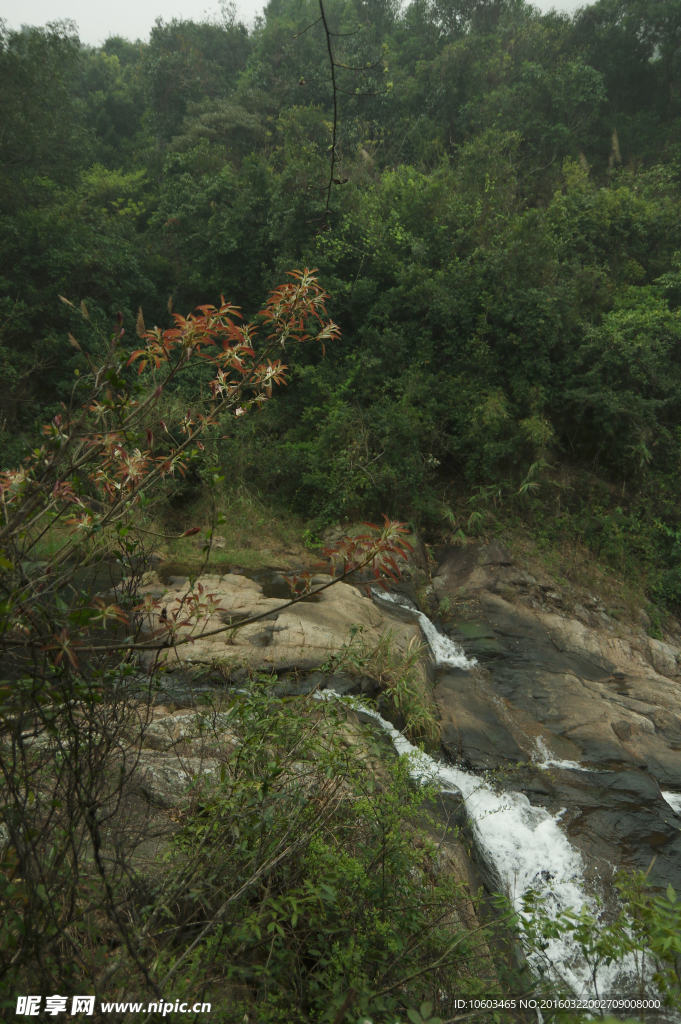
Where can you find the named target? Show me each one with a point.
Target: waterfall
(524, 845)
(446, 653)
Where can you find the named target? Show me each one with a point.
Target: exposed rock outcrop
(294, 639)
(589, 706)
(594, 701)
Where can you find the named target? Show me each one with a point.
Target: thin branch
(424, 970)
(165, 645)
(363, 67)
(345, 35)
(312, 25)
(220, 915)
(336, 89)
(361, 95)
(334, 133)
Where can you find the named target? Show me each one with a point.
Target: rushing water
(524, 845)
(543, 758)
(526, 848)
(447, 654)
(674, 801)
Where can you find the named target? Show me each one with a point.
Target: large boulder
(298, 638)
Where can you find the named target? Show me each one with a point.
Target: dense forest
(500, 237)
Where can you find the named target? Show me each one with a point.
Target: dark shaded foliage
(502, 251)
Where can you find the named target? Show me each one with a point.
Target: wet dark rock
(558, 685)
(343, 684)
(340, 682)
(294, 687)
(449, 807)
(474, 733)
(537, 785)
(620, 818)
(623, 730)
(478, 639)
(454, 565)
(405, 614)
(391, 714)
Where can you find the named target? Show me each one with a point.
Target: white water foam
(447, 654)
(674, 801)
(523, 844)
(542, 758)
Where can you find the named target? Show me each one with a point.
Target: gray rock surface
(299, 638)
(190, 728)
(170, 781)
(561, 683)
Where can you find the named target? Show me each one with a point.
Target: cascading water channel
(523, 844)
(447, 654)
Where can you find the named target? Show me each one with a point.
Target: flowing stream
(524, 845)
(674, 801)
(446, 653)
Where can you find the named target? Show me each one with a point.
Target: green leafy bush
(314, 844)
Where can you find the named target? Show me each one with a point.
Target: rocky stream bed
(594, 704)
(576, 715)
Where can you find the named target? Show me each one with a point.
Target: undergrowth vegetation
(400, 674)
(298, 868)
(355, 901)
(259, 534)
